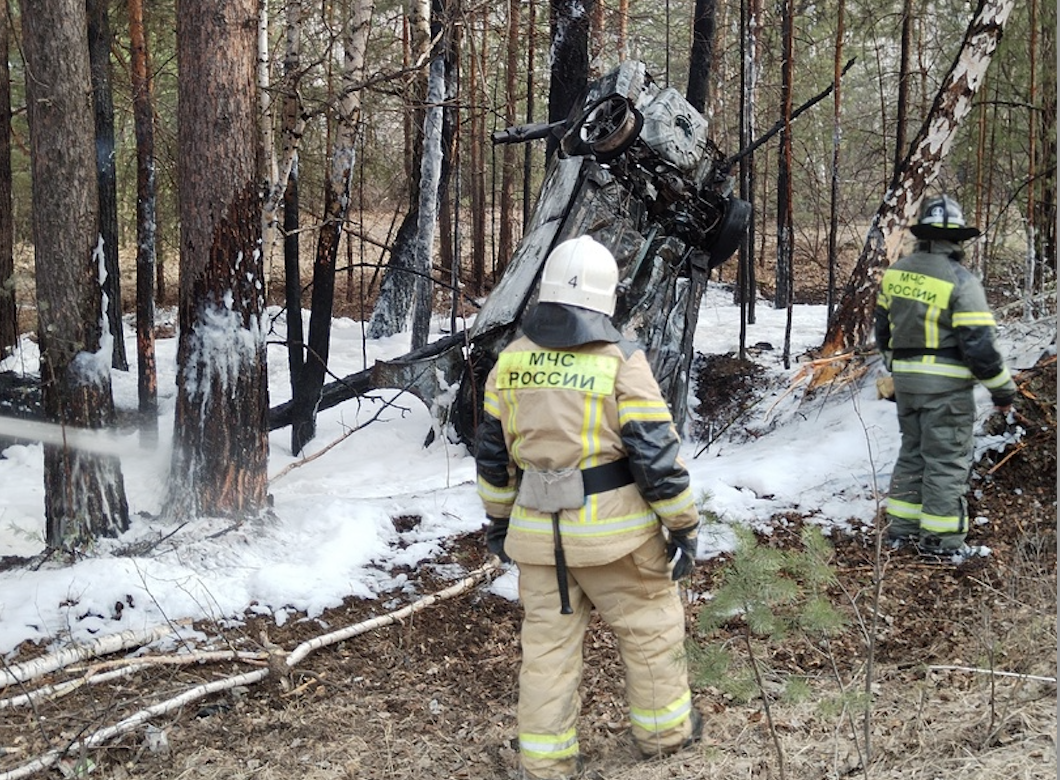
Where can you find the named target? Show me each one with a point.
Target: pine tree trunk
(506, 242)
(143, 116)
(477, 160)
(8, 302)
(220, 444)
(851, 326)
(84, 495)
(785, 228)
(837, 139)
(99, 43)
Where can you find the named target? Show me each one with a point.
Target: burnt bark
(8, 302)
(99, 43)
(220, 445)
(569, 26)
(337, 192)
(84, 495)
(702, 56)
(146, 225)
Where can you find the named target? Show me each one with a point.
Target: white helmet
(580, 272)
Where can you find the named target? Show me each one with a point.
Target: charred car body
(638, 172)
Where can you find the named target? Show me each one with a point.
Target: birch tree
(220, 444)
(852, 324)
(84, 495)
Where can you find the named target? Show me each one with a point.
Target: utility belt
(552, 491)
(609, 476)
(909, 353)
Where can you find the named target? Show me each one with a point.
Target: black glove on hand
(683, 542)
(495, 533)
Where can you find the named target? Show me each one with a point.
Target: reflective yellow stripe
(491, 404)
(551, 369)
(497, 495)
(640, 410)
(931, 327)
(523, 520)
(935, 369)
(664, 719)
(548, 746)
(971, 319)
(903, 509)
(512, 405)
(670, 507)
(941, 524)
(999, 380)
(917, 287)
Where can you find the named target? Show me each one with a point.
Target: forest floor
(960, 662)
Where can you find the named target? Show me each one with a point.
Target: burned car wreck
(637, 171)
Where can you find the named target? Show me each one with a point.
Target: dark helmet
(941, 219)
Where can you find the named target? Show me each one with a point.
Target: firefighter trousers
(926, 498)
(637, 598)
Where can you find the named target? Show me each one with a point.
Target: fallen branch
(288, 661)
(993, 672)
(124, 667)
(105, 645)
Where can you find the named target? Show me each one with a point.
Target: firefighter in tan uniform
(579, 473)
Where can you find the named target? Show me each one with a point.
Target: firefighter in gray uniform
(937, 335)
(579, 474)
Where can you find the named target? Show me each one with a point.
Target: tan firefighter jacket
(935, 328)
(595, 405)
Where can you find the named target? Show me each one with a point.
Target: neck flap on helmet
(559, 326)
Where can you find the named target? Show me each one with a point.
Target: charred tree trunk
(397, 290)
(8, 302)
(785, 236)
(220, 444)
(902, 109)
(99, 42)
(477, 172)
(146, 198)
(531, 87)
(1030, 270)
(84, 495)
(747, 288)
(569, 29)
(509, 168)
(702, 56)
(852, 324)
(292, 265)
(785, 293)
(338, 188)
(837, 138)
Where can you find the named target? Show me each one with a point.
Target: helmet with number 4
(941, 219)
(579, 285)
(580, 272)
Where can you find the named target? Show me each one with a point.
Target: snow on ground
(332, 534)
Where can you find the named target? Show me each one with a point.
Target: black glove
(495, 533)
(683, 541)
(1003, 401)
